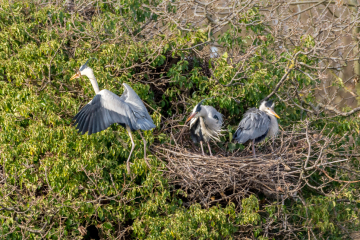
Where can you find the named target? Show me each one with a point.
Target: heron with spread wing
(257, 124)
(205, 124)
(107, 108)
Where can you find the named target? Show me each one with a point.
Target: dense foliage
(58, 184)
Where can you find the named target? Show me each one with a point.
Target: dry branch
(283, 171)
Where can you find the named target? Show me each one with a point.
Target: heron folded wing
(213, 118)
(254, 125)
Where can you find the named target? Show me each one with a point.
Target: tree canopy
(58, 184)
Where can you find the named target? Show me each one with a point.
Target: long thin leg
(253, 147)
(132, 148)
(209, 148)
(273, 144)
(144, 141)
(202, 149)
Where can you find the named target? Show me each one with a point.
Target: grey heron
(257, 124)
(205, 124)
(107, 108)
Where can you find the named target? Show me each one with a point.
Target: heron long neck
(94, 83)
(274, 126)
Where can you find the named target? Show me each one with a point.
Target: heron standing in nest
(205, 124)
(258, 124)
(107, 108)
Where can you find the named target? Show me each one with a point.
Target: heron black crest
(198, 108)
(269, 103)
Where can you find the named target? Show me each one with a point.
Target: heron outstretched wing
(105, 109)
(129, 96)
(254, 125)
(137, 106)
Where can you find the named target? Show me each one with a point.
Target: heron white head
(196, 111)
(84, 70)
(268, 107)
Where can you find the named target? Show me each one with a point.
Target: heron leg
(253, 148)
(202, 149)
(209, 148)
(132, 148)
(144, 141)
(273, 144)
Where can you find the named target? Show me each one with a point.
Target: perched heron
(107, 108)
(257, 124)
(205, 124)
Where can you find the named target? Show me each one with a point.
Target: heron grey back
(254, 125)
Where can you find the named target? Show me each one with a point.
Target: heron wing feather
(129, 96)
(105, 109)
(254, 124)
(210, 120)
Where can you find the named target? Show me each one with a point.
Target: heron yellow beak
(190, 117)
(76, 75)
(274, 113)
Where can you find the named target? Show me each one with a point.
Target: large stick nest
(275, 172)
